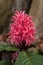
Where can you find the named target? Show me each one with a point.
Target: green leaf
(36, 58)
(8, 48)
(23, 59)
(29, 59)
(11, 48)
(5, 63)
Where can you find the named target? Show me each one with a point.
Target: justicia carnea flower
(22, 29)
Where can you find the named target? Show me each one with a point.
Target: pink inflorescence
(22, 28)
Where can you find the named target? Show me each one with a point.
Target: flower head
(22, 29)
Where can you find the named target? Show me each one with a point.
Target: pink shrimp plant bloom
(21, 28)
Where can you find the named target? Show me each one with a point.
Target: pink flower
(22, 28)
(14, 55)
